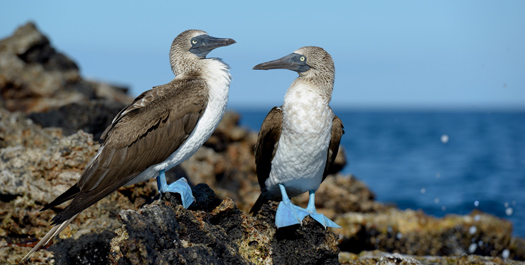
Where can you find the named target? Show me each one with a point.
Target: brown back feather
(265, 148)
(267, 142)
(333, 147)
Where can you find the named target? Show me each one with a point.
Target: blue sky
(401, 54)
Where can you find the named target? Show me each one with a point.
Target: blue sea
(442, 162)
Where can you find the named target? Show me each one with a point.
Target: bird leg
(287, 213)
(180, 186)
(317, 216)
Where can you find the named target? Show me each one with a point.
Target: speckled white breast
(300, 159)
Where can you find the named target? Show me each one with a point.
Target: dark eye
(302, 58)
(194, 41)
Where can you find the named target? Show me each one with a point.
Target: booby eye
(194, 41)
(302, 58)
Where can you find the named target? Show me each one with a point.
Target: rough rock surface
(165, 232)
(131, 226)
(377, 257)
(34, 77)
(91, 117)
(415, 233)
(36, 165)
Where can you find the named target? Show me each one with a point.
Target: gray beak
(205, 44)
(291, 62)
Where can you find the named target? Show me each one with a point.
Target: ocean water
(442, 162)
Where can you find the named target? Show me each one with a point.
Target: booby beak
(294, 61)
(206, 43)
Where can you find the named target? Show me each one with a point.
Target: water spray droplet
(444, 138)
(472, 247)
(505, 254)
(472, 230)
(476, 203)
(508, 211)
(423, 190)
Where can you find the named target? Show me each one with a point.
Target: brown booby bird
(298, 141)
(160, 129)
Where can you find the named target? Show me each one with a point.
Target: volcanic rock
(35, 78)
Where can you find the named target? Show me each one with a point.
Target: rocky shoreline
(50, 122)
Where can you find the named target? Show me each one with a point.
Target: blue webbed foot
(287, 213)
(180, 186)
(323, 220)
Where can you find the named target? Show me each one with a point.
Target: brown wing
(267, 143)
(333, 148)
(145, 133)
(265, 148)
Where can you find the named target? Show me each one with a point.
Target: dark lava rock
(34, 77)
(206, 201)
(166, 233)
(91, 117)
(147, 234)
(306, 244)
(87, 249)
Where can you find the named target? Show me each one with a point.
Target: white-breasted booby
(160, 129)
(298, 141)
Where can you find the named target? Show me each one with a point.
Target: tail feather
(50, 235)
(258, 204)
(66, 196)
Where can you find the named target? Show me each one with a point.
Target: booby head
(191, 46)
(305, 61)
(314, 66)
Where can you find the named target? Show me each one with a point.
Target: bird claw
(323, 220)
(180, 186)
(289, 214)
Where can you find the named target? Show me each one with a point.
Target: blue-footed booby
(160, 129)
(298, 141)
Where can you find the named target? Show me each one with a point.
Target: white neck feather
(217, 76)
